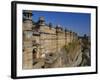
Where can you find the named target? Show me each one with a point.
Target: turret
(58, 28)
(41, 21)
(27, 20)
(27, 15)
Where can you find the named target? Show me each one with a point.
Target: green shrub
(71, 46)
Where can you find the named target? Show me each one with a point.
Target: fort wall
(40, 39)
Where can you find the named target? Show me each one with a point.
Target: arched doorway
(34, 53)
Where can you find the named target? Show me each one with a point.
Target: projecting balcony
(36, 33)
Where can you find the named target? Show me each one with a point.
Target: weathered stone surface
(46, 40)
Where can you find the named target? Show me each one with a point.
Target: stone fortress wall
(40, 39)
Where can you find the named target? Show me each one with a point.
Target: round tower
(27, 39)
(27, 15)
(27, 20)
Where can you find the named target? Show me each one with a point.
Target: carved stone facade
(40, 39)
